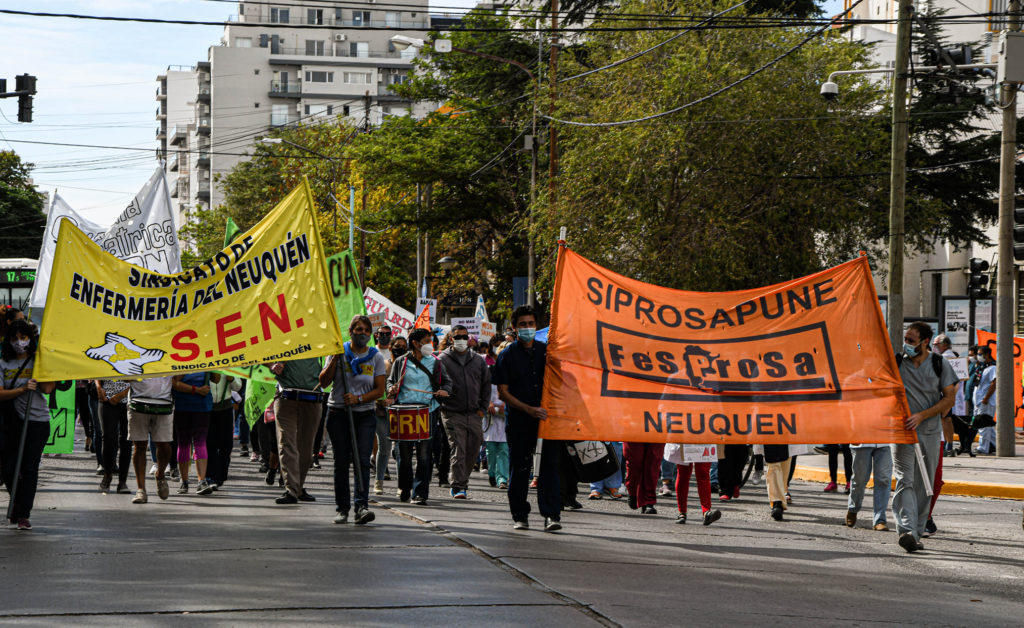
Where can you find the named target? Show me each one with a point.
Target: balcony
(203, 160)
(204, 92)
(286, 89)
(203, 127)
(328, 21)
(173, 165)
(161, 113)
(178, 135)
(203, 191)
(344, 51)
(161, 93)
(174, 191)
(161, 132)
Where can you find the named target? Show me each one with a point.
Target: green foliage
(21, 209)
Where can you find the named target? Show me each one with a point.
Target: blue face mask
(910, 350)
(526, 334)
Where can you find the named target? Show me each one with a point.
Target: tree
(21, 208)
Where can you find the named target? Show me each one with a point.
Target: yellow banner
(263, 298)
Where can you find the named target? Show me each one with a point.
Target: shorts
(143, 426)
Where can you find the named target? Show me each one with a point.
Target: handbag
(980, 421)
(594, 460)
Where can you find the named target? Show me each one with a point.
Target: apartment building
(928, 278)
(281, 63)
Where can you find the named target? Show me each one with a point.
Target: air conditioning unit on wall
(394, 70)
(339, 37)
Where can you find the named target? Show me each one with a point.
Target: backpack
(936, 364)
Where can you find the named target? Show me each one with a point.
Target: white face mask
(461, 345)
(426, 350)
(20, 346)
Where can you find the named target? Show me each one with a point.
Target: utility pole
(419, 244)
(1006, 404)
(531, 270)
(362, 243)
(553, 81)
(898, 180)
(366, 112)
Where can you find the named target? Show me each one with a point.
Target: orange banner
(989, 338)
(808, 361)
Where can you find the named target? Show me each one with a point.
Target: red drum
(409, 422)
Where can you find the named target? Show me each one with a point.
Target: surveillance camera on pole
(829, 91)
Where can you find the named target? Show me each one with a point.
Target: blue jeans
(714, 472)
(868, 460)
(614, 480)
(910, 502)
(521, 431)
(383, 447)
(341, 442)
(987, 440)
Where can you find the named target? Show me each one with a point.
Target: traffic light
(25, 83)
(960, 55)
(977, 280)
(1018, 229)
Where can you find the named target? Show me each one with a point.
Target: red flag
(423, 320)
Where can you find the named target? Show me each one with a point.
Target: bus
(16, 278)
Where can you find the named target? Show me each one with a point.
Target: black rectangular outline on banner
(732, 398)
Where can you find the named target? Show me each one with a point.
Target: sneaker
(777, 511)
(162, 489)
(23, 524)
(204, 488)
(851, 518)
(756, 477)
(364, 515)
(881, 527)
(269, 479)
(665, 491)
(419, 501)
(503, 486)
(122, 488)
(552, 525)
(286, 498)
(724, 498)
(789, 498)
(378, 487)
(306, 497)
(715, 488)
(105, 482)
(316, 462)
(140, 497)
(243, 452)
(341, 517)
(681, 517)
(846, 489)
(533, 483)
(152, 469)
(175, 474)
(459, 495)
(929, 526)
(521, 525)
(908, 542)
(831, 487)
(648, 510)
(574, 504)
(263, 467)
(100, 470)
(183, 489)
(254, 457)
(614, 493)
(595, 495)
(712, 516)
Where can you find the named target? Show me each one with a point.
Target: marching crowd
(453, 405)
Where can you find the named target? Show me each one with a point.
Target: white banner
(144, 233)
(59, 209)
(685, 454)
(394, 315)
(481, 309)
(472, 325)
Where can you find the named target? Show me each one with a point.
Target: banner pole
(21, 454)
(352, 429)
(924, 469)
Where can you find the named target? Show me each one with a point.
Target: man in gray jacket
(463, 410)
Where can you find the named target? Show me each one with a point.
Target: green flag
(231, 231)
(345, 288)
(62, 418)
(259, 394)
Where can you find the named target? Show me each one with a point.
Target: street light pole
(898, 179)
(1006, 403)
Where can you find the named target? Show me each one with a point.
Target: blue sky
(97, 84)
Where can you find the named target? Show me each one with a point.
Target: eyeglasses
(461, 337)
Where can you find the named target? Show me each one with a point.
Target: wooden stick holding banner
(353, 449)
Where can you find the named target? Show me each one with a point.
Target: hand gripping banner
(807, 361)
(263, 298)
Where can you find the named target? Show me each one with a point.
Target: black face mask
(399, 351)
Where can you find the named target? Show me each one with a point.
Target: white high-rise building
(278, 64)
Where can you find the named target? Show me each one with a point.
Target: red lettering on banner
(178, 342)
(223, 333)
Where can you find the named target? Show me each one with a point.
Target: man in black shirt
(519, 376)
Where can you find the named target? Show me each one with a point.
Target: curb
(966, 489)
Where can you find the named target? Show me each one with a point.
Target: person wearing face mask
(364, 372)
(964, 407)
(519, 376)
(985, 399)
(463, 410)
(389, 350)
(417, 378)
(17, 360)
(930, 385)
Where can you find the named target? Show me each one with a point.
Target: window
(360, 18)
(398, 79)
(330, 109)
(315, 16)
(278, 115)
(319, 77)
(316, 110)
(279, 16)
(344, 110)
(391, 20)
(357, 78)
(359, 49)
(243, 42)
(314, 48)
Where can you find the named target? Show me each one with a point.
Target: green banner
(259, 393)
(62, 418)
(348, 294)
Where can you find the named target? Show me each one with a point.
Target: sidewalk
(983, 476)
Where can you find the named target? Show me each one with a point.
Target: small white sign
(487, 331)
(471, 324)
(421, 303)
(959, 367)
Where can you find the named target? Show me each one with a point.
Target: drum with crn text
(409, 422)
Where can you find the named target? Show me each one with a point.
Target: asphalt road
(236, 558)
